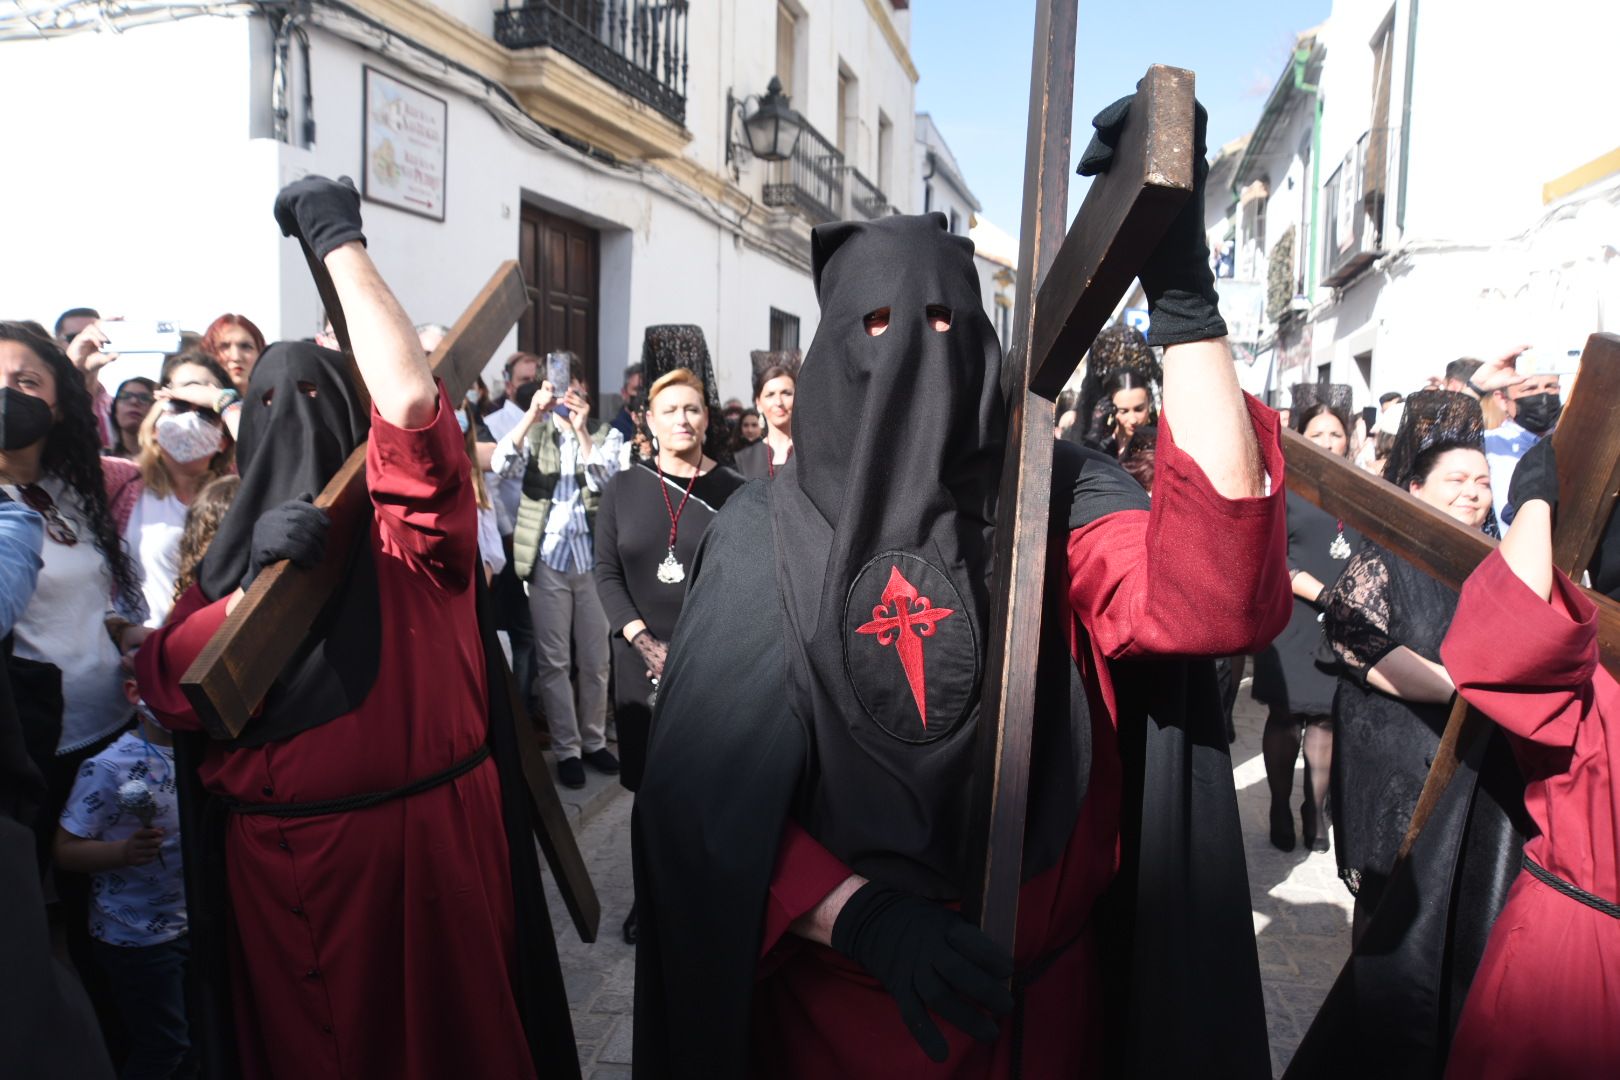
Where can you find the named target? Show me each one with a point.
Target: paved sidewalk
(1301, 916)
(600, 978)
(1301, 909)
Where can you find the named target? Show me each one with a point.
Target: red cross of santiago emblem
(903, 619)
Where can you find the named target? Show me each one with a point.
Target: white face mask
(188, 437)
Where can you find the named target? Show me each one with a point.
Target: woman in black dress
(1298, 694)
(1385, 620)
(647, 530)
(776, 376)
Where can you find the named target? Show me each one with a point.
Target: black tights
(1280, 746)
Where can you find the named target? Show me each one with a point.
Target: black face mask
(24, 419)
(1539, 412)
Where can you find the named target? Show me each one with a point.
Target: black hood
(883, 534)
(301, 419)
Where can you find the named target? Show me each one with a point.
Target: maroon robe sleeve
(421, 490)
(805, 873)
(1525, 662)
(166, 655)
(1195, 575)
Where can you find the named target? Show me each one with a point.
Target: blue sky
(973, 57)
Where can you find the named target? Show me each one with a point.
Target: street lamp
(772, 129)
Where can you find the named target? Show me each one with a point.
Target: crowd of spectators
(117, 468)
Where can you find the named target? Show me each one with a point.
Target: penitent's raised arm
(1204, 403)
(325, 214)
(386, 347)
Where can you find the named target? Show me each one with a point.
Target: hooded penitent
(676, 345)
(301, 419)
(828, 664)
(883, 544)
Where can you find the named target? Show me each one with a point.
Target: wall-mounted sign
(403, 146)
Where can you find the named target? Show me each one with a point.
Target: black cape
(728, 759)
(1393, 1008)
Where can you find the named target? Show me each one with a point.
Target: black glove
(1534, 477)
(294, 530)
(927, 957)
(323, 213)
(1177, 280)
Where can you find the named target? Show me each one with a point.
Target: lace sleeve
(1356, 619)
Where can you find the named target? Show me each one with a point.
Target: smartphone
(1534, 362)
(557, 375)
(128, 336)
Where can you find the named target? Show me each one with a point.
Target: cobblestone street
(1301, 909)
(1301, 918)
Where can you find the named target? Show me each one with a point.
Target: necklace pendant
(670, 571)
(1340, 548)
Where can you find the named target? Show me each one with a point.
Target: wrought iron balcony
(638, 46)
(865, 199)
(811, 181)
(1352, 218)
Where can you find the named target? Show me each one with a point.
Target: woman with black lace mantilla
(1384, 621)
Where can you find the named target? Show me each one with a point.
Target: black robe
(727, 763)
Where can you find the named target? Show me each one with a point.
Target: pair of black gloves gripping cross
(931, 960)
(325, 215)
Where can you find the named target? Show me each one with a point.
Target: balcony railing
(812, 180)
(865, 199)
(636, 45)
(1351, 224)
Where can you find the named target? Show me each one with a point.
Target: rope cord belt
(360, 802)
(1552, 880)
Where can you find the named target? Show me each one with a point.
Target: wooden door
(559, 259)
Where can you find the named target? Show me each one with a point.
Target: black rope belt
(1552, 880)
(360, 802)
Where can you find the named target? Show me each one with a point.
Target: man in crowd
(511, 603)
(1386, 400)
(71, 322)
(625, 422)
(563, 460)
(1525, 409)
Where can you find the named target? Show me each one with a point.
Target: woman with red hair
(236, 343)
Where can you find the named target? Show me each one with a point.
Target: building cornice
(552, 88)
(892, 36)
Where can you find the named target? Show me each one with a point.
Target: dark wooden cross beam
(228, 681)
(1587, 445)
(1067, 290)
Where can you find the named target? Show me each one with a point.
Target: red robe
(1546, 998)
(1197, 575)
(377, 943)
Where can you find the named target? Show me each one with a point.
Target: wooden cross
(1067, 291)
(1587, 446)
(228, 681)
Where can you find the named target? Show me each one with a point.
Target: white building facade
(589, 139)
(1454, 182)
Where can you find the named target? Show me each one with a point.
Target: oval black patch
(911, 648)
